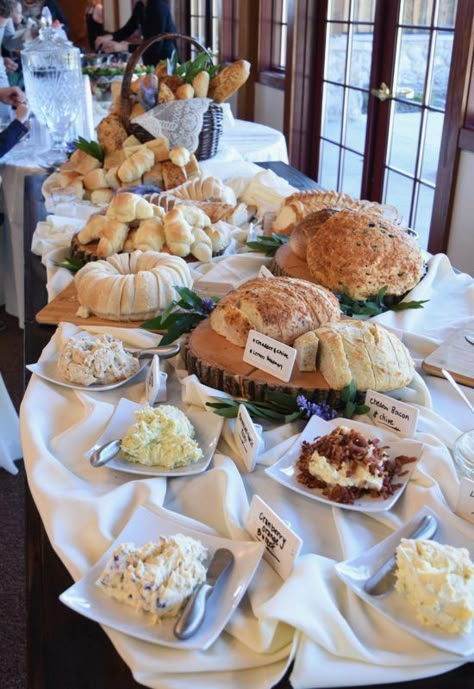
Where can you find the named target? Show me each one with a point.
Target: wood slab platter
(287, 264)
(455, 355)
(218, 363)
(63, 309)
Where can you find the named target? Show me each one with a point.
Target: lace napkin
(180, 121)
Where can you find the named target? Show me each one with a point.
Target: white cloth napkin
(10, 446)
(55, 232)
(311, 616)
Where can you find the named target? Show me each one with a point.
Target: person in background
(11, 58)
(9, 40)
(32, 10)
(150, 17)
(17, 129)
(94, 21)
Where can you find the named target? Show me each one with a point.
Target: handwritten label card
(155, 385)
(282, 545)
(465, 504)
(264, 272)
(269, 355)
(388, 413)
(247, 438)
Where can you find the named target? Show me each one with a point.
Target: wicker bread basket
(212, 124)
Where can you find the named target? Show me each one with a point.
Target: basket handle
(125, 105)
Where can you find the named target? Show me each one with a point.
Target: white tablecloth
(311, 618)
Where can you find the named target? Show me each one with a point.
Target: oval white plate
(48, 370)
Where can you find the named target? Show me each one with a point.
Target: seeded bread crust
(362, 253)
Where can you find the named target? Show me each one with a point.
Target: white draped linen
(312, 618)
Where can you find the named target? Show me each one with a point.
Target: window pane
(276, 45)
(332, 111)
(356, 120)
(446, 13)
(194, 6)
(441, 64)
(398, 192)
(405, 130)
(283, 47)
(413, 60)
(434, 130)
(423, 214)
(363, 10)
(352, 173)
(338, 9)
(328, 165)
(416, 12)
(336, 52)
(361, 59)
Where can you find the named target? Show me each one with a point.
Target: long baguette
(229, 80)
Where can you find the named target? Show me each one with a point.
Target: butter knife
(383, 578)
(194, 611)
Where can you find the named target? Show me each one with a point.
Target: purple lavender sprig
(207, 305)
(324, 410)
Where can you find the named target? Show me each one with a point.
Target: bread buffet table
(311, 619)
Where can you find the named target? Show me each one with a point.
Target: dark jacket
(151, 20)
(10, 136)
(55, 9)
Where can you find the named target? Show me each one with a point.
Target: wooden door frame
(303, 102)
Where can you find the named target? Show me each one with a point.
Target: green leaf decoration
(268, 245)
(92, 148)
(72, 264)
(372, 306)
(182, 315)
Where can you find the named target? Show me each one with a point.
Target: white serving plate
(284, 471)
(48, 370)
(356, 571)
(88, 599)
(208, 428)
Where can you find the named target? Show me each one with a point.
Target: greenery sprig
(284, 408)
(181, 316)
(189, 69)
(268, 245)
(373, 306)
(72, 264)
(92, 148)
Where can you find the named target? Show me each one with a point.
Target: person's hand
(3, 21)
(10, 65)
(100, 40)
(22, 112)
(12, 95)
(115, 47)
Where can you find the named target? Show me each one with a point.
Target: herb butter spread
(91, 359)
(156, 578)
(438, 582)
(163, 437)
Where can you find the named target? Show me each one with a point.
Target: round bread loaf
(130, 287)
(360, 253)
(280, 307)
(306, 228)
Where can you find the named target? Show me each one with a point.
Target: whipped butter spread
(438, 582)
(162, 436)
(95, 359)
(156, 578)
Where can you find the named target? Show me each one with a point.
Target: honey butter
(438, 582)
(162, 436)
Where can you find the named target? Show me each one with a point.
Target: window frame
(268, 73)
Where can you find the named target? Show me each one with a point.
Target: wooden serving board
(63, 309)
(287, 264)
(219, 364)
(455, 355)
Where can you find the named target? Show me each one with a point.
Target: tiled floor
(12, 527)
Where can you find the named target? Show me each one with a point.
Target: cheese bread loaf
(280, 307)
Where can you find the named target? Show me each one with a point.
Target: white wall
(461, 237)
(269, 106)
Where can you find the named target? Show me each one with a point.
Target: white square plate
(48, 370)
(284, 471)
(356, 571)
(88, 599)
(208, 427)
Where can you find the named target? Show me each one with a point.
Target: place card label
(465, 504)
(247, 437)
(386, 412)
(282, 545)
(264, 272)
(155, 384)
(269, 355)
